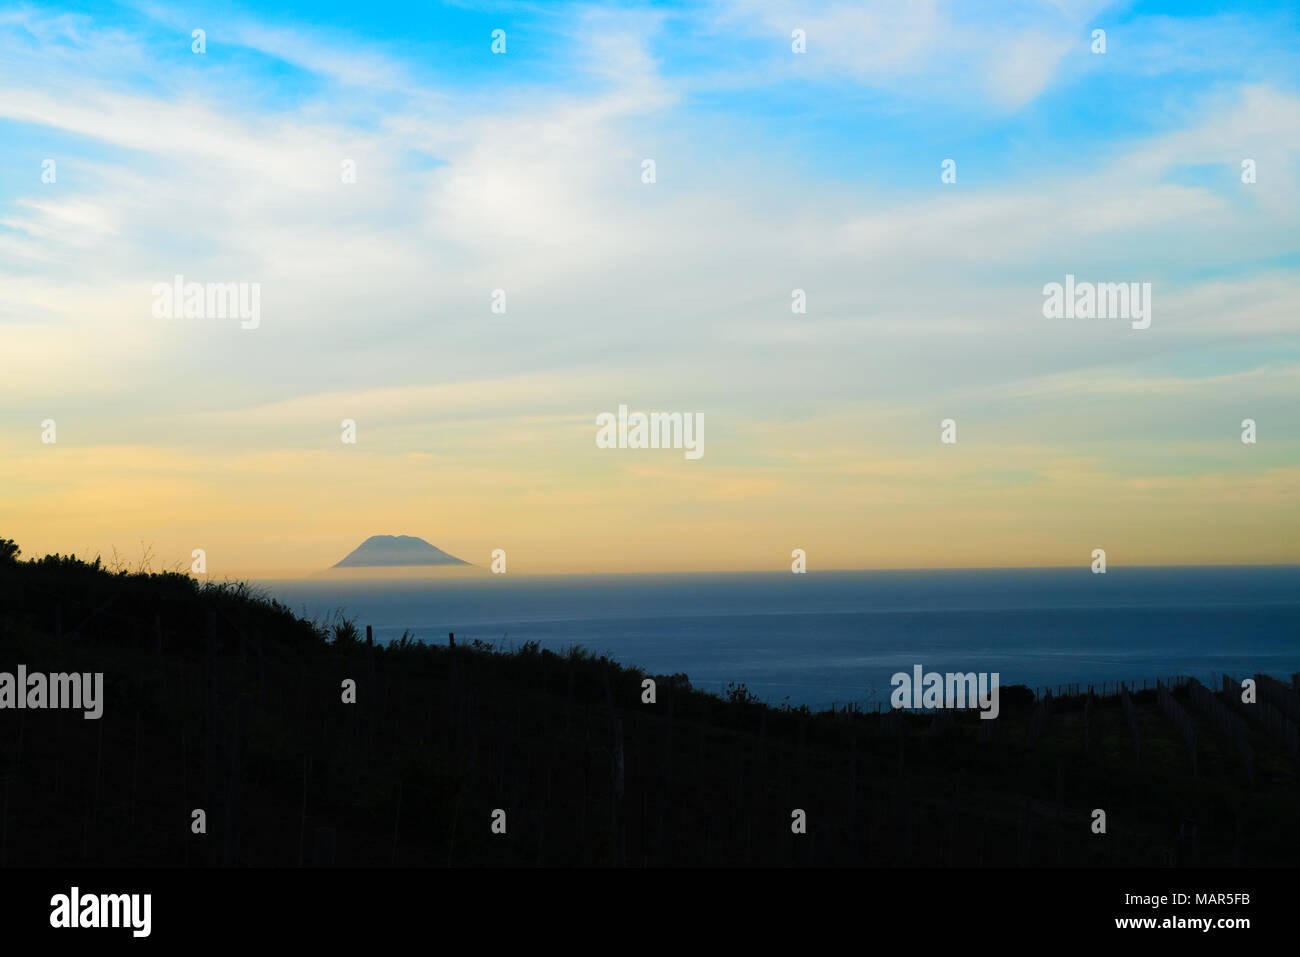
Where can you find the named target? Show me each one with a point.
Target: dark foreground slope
(218, 700)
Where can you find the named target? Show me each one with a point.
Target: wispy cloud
(924, 298)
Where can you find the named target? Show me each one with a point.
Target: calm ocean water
(838, 636)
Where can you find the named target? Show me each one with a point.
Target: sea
(835, 638)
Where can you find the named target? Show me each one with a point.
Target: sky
(524, 171)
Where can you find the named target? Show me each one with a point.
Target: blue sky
(775, 171)
(828, 113)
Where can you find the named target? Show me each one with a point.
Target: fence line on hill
(1274, 702)
(1107, 689)
(1228, 721)
(1130, 715)
(1181, 720)
(1268, 710)
(1041, 717)
(1280, 696)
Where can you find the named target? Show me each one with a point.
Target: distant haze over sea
(834, 636)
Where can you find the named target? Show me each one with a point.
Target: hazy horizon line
(324, 574)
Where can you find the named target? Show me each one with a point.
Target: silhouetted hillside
(220, 699)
